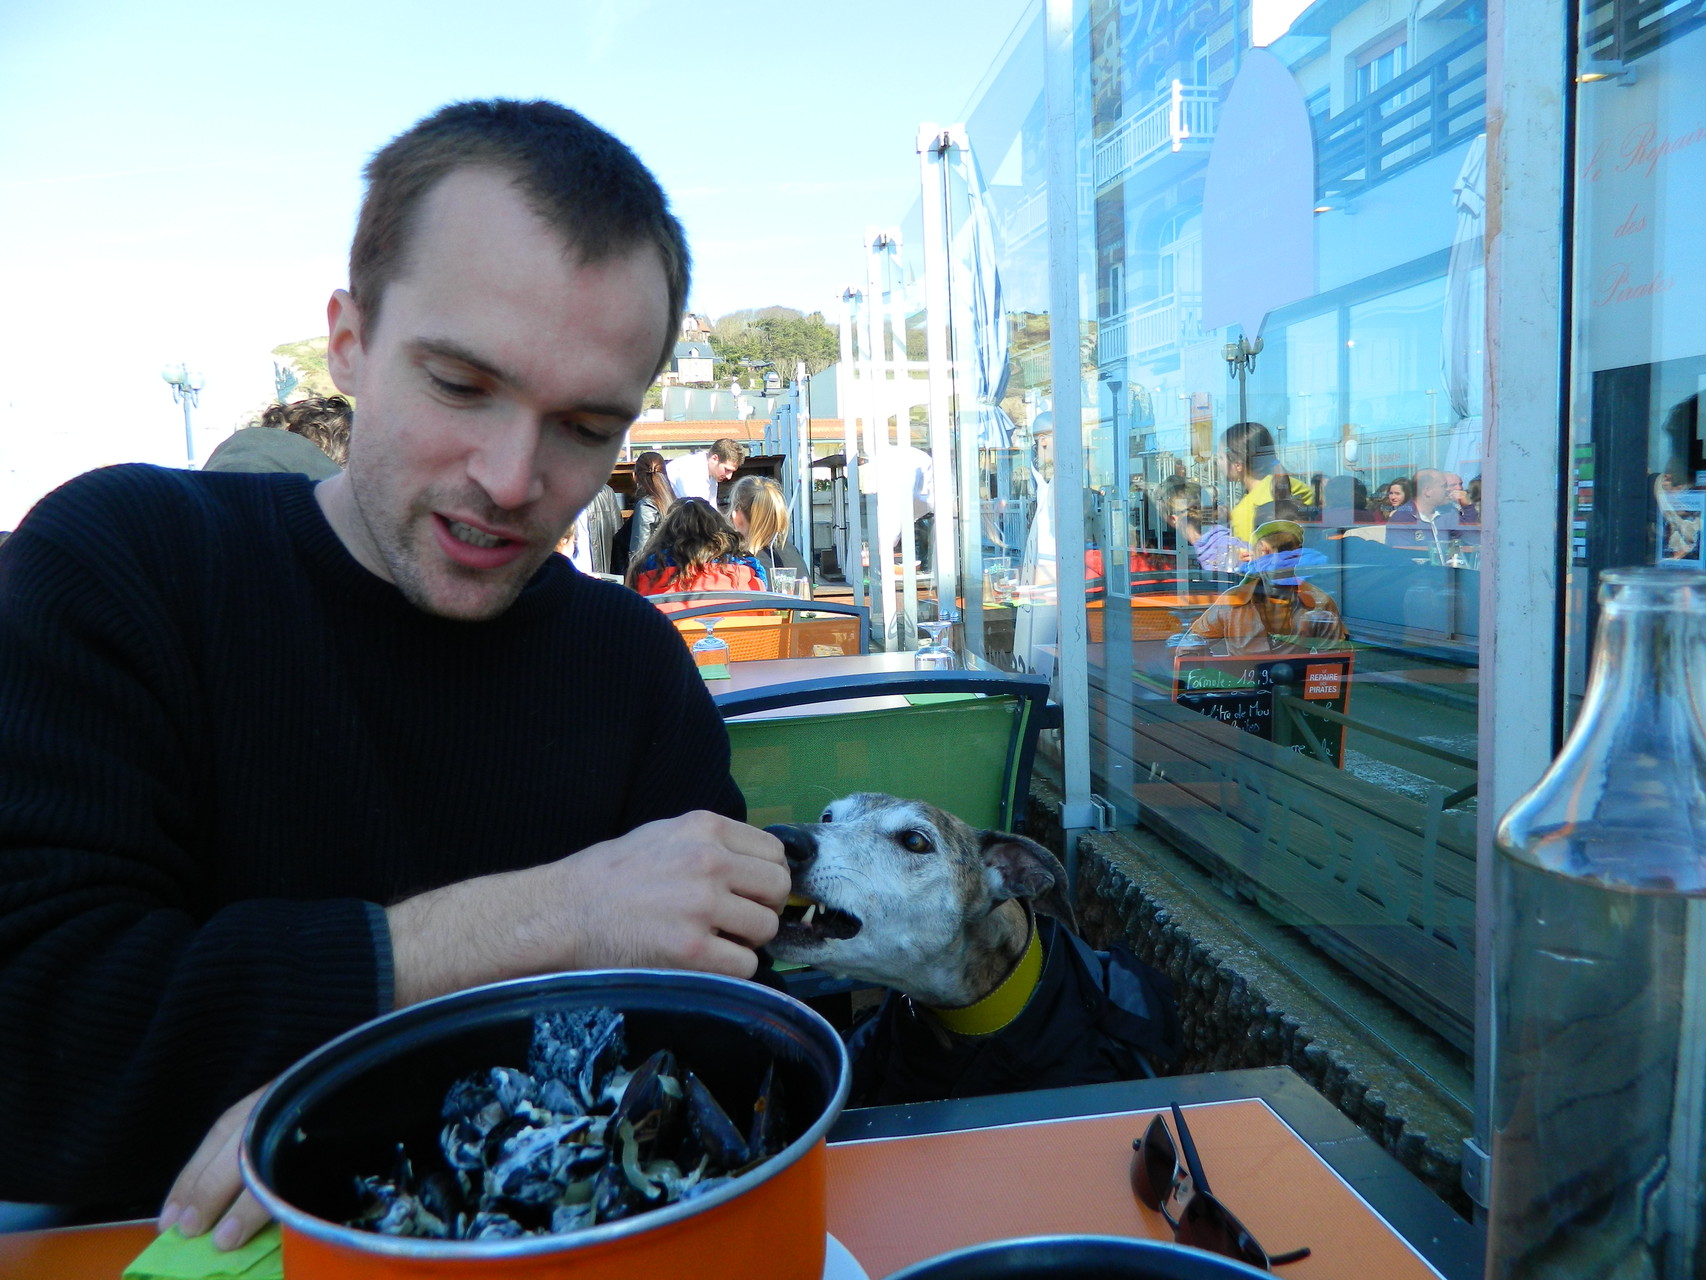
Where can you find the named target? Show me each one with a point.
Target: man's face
(1454, 489)
(1430, 488)
(494, 391)
(720, 470)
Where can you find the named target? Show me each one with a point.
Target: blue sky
(178, 181)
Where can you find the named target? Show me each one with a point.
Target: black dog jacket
(1095, 1016)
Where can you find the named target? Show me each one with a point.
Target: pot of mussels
(611, 1123)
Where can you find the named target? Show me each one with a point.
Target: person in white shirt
(697, 474)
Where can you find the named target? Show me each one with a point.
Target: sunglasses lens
(1153, 1164)
(1206, 1224)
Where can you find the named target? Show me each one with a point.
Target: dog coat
(1095, 1016)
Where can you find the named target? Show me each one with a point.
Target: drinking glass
(1320, 628)
(708, 651)
(934, 655)
(785, 581)
(1003, 578)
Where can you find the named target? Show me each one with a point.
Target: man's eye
(454, 390)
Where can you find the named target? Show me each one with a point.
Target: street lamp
(186, 390)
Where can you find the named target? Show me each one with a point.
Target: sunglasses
(1203, 1222)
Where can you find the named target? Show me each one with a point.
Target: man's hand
(211, 1185)
(695, 892)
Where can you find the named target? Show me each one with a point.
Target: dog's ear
(1019, 868)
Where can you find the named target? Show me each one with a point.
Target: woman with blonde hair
(758, 509)
(693, 549)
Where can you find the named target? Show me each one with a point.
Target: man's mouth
(475, 548)
(805, 919)
(474, 537)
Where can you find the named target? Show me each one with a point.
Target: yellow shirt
(1260, 493)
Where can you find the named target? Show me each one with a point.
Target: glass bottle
(1599, 964)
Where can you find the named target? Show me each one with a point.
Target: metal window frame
(1530, 134)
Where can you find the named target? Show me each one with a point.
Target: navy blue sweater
(223, 747)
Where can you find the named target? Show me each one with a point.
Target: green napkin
(714, 671)
(173, 1256)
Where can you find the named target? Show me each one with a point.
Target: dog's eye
(827, 816)
(915, 842)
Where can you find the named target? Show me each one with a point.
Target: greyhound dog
(990, 990)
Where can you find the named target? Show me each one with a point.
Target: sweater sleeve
(134, 1004)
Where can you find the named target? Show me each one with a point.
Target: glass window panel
(1637, 482)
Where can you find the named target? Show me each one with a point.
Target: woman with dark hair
(1397, 491)
(652, 497)
(694, 549)
(1249, 459)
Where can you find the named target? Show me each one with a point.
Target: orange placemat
(895, 1201)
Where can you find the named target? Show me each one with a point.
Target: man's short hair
(582, 182)
(732, 452)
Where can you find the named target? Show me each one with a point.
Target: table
(1288, 1164)
(1283, 1159)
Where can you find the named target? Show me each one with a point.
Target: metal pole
(1060, 131)
(1522, 550)
(878, 563)
(850, 395)
(189, 434)
(933, 145)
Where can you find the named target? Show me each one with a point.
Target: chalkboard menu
(1271, 697)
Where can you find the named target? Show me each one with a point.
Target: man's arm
(128, 998)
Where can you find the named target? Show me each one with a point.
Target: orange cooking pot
(341, 1111)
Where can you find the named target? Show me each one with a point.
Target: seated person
(1214, 547)
(1273, 610)
(694, 549)
(758, 510)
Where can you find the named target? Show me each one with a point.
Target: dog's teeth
(811, 911)
(798, 900)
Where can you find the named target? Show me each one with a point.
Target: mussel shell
(652, 1104)
(718, 1137)
(769, 1131)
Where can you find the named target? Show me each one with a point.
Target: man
(278, 758)
(697, 475)
(1214, 547)
(1433, 520)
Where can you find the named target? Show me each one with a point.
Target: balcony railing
(1439, 104)
(1182, 119)
(1163, 325)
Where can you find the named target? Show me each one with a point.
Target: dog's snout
(798, 844)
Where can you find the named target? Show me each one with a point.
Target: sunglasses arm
(1193, 1161)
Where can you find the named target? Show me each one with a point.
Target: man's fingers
(762, 882)
(212, 1180)
(723, 956)
(240, 1224)
(745, 921)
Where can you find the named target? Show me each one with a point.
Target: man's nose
(505, 463)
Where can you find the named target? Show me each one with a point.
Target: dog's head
(893, 891)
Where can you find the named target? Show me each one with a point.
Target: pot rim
(317, 1074)
(1141, 1246)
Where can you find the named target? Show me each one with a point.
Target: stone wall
(1254, 994)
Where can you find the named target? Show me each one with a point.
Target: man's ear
(344, 349)
(1015, 867)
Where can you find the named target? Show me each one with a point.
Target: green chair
(964, 741)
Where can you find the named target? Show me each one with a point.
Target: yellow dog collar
(1006, 1002)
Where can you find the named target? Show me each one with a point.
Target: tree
(763, 338)
(307, 359)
